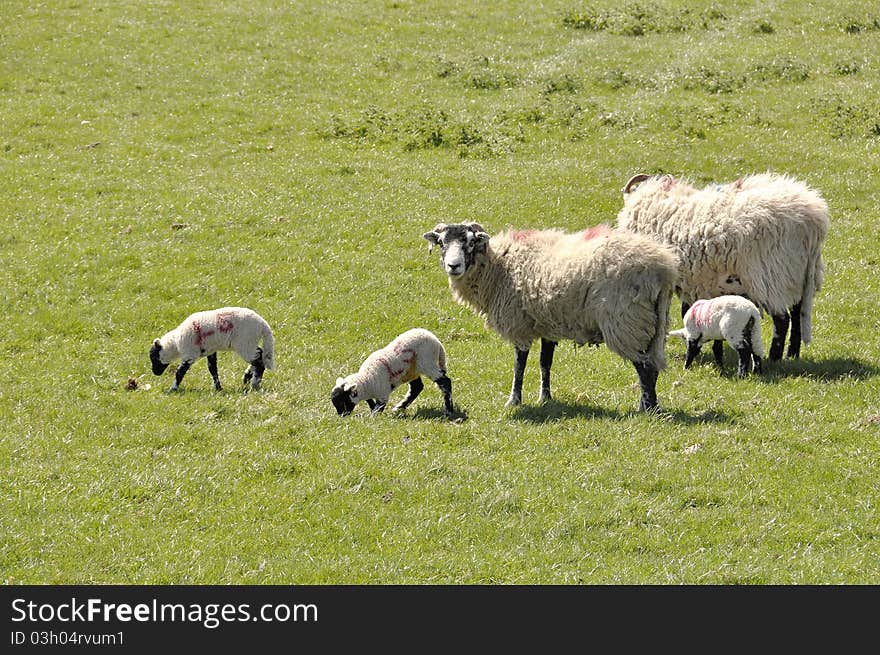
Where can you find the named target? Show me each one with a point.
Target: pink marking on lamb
(223, 323)
(200, 335)
(596, 231)
(522, 235)
(701, 310)
(738, 184)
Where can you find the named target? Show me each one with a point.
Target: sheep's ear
(157, 344)
(481, 241)
(475, 227)
(433, 237)
(339, 382)
(678, 333)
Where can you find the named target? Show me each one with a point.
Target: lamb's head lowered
(459, 244)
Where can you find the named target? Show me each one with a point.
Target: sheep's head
(459, 243)
(344, 397)
(156, 358)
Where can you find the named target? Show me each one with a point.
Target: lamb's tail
(757, 342)
(268, 347)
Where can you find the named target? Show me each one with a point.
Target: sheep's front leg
(519, 368)
(648, 383)
(718, 353)
(212, 369)
(547, 349)
(780, 328)
(794, 345)
(181, 371)
(415, 388)
(379, 407)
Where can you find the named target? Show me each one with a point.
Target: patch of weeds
(477, 73)
(763, 27)
(637, 19)
(423, 128)
(859, 25)
(781, 68)
(847, 67)
(616, 79)
(714, 81)
(564, 84)
(848, 119)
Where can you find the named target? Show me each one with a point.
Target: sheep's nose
(454, 269)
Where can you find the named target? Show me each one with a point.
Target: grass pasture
(162, 157)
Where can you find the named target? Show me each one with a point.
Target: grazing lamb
(599, 285)
(732, 318)
(760, 237)
(204, 333)
(415, 352)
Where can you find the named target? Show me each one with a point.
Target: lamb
(203, 334)
(760, 237)
(732, 318)
(414, 353)
(598, 285)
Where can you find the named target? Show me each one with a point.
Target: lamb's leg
(415, 388)
(693, 349)
(780, 328)
(519, 368)
(757, 363)
(445, 385)
(684, 308)
(212, 369)
(648, 382)
(745, 360)
(379, 407)
(718, 353)
(371, 404)
(181, 371)
(257, 368)
(547, 348)
(794, 345)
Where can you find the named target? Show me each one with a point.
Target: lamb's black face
(341, 400)
(459, 243)
(158, 366)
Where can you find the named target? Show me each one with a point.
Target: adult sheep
(599, 285)
(760, 237)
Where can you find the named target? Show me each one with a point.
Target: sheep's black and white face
(342, 398)
(156, 358)
(459, 243)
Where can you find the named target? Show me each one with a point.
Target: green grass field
(164, 157)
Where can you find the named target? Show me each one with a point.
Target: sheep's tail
(441, 358)
(657, 347)
(268, 347)
(812, 283)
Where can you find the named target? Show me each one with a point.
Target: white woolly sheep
(735, 319)
(760, 237)
(415, 352)
(203, 334)
(599, 285)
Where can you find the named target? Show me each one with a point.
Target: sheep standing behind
(735, 319)
(203, 334)
(415, 352)
(599, 285)
(760, 237)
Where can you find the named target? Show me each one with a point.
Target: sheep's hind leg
(648, 382)
(519, 368)
(445, 385)
(547, 348)
(254, 372)
(780, 328)
(415, 388)
(794, 344)
(212, 369)
(693, 349)
(178, 375)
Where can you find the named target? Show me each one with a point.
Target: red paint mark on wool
(223, 323)
(200, 334)
(700, 312)
(596, 231)
(407, 356)
(522, 235)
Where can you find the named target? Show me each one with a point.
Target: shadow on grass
(556, 411)
(824, 370)
(434, 414)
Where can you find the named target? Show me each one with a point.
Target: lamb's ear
(339, 382)
(481, 241)
(157, 344)
(678, 333)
